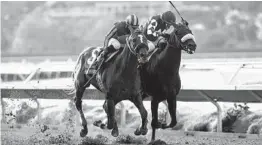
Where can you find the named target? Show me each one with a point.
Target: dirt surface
(39, 134)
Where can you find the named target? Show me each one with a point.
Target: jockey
(157, 26)
(122, 28)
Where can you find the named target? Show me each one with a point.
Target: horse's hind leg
(143, 113)
(78, 103)
(80, 89)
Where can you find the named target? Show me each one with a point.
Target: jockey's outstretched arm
(111, 34)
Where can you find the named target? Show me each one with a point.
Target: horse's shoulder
(122, 39)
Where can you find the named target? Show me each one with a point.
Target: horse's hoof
(144, 131)
(164, 126)
(97, 123)
(83, 132)
(137, 132)
(103, 126)
(172, 124)
(115, 132)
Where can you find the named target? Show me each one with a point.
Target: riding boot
(103, 55)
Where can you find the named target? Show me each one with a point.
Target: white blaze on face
(141, 38)
(187, 37)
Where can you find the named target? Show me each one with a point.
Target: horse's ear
(141, 27)
(175, 26)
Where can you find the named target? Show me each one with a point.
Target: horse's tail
(78, 67)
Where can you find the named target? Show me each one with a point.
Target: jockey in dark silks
(157, 27)
(122, 28)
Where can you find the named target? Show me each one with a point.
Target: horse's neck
(126, 60)
(118, 69)
(172, 58)
(169, 60)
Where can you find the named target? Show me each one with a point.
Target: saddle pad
(92, 59)
(91, 63)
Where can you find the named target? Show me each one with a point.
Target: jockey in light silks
(157, 26)
(112, 42)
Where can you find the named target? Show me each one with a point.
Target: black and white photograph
(131, 72)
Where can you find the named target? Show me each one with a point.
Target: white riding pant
(153, 44)
(116, 44)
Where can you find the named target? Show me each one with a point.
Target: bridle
(181, 45)
(133, 51)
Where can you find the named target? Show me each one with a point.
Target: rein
(128, 45)
(100, 65)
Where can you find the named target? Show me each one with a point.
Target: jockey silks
(154, 25)
(119, 29)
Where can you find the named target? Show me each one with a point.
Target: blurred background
(65, 28)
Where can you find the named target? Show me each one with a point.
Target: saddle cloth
(92, 63)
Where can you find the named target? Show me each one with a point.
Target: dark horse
(160, 76)
(118, 79)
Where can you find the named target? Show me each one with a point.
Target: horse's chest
(161, 83)
(120, 86)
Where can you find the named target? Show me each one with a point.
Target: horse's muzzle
(190, 49)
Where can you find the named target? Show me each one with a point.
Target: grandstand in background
(67, 28)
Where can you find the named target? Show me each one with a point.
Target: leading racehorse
(118, 79)
(160, 76)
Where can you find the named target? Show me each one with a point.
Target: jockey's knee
(115, 43)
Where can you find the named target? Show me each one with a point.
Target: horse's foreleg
(171, 101)
(78, 103)
(143, 113)
(154, 123)
(111, 122)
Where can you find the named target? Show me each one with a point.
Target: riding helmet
(168, 17)
(132, 20)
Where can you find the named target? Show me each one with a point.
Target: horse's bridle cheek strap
(129, 47)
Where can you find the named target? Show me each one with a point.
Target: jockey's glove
(159, 33)
(185, 22)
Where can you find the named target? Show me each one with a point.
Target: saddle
(95, 63)
(94, 66)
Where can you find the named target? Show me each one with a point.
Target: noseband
(129, 47)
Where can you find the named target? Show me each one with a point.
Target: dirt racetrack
(29, 135)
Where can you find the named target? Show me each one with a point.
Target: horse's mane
(160, 54)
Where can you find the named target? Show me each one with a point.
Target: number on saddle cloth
(93, 59)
